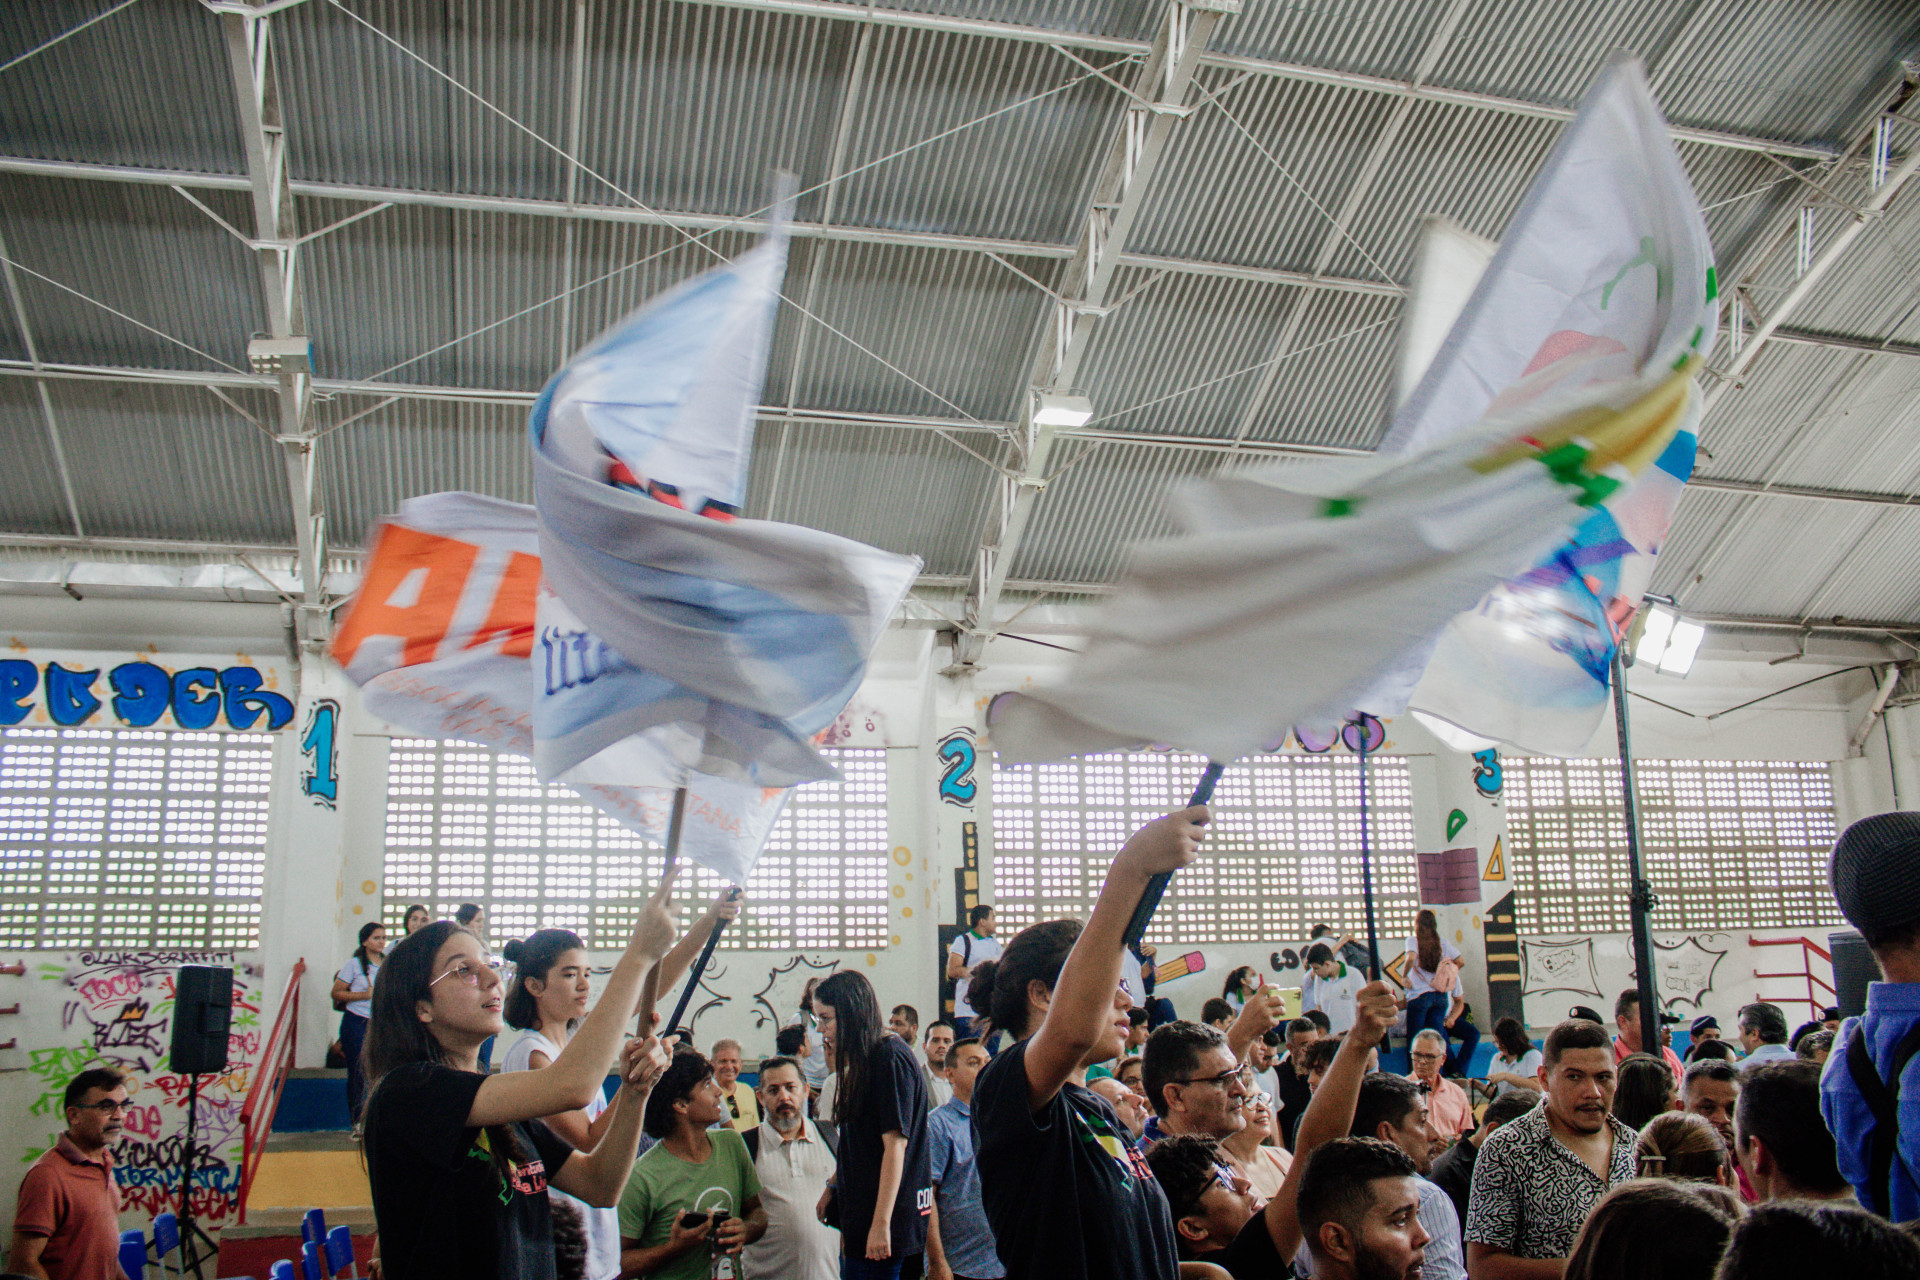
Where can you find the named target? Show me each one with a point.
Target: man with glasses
(1449, 1113)
(66, 1226)
(1195, 1083)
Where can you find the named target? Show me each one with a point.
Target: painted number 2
(322, 778)
(956, 781)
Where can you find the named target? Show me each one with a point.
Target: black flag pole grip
(699, 968)
(1157, 887)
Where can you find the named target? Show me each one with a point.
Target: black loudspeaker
(1853, 968)
(202, 1013)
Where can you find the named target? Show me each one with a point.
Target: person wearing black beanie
(1870, 1090)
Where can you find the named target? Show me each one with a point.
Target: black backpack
(828, 1135)
(1883, 1100)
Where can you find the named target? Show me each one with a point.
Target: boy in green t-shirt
(692, 1170)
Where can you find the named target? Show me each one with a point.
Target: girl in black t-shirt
(458, 1164)
(1065, 1191)
(882, 1183)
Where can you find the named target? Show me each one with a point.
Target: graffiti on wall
(1487, 778)
(137, 694)
(777, 1002)
(115, 1009)
(1551, 964)
(957, 759)
(319, 744)
(1683, 971)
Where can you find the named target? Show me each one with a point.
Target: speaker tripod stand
(196, 1246)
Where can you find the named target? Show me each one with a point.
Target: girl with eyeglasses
(1065, 1192)
(459, 1176)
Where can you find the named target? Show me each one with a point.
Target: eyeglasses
(106, 1106)
(467, 971)
(1243, 1073)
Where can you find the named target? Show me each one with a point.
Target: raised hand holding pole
(1157, 887)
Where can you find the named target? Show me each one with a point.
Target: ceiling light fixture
(1052, 409)
(1660, 638)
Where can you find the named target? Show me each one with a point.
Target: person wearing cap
(1586, 1013)
(1870, 1087)
(1626, 1020)
(1704, 1027)
(1830, 1019)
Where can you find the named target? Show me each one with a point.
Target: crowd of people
(1052, 1129)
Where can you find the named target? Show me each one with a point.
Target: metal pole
(1366, 867)
(650, 989)
(1641, 899)
(699, 968)
(1156, 887)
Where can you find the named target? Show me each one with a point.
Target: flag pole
(1366, 867)
(699, 968)
(650, 988)
(1156, 887)
(1641, 898)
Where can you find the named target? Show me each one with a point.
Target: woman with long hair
(416, 915)
(353, 997)
(546, 1001)
(882, 1183)
(815, 1064)
(1683, 1147)
(1242, 985)
(1435, 997)
(1650, 1229)
(458, 1173)
(1065, 1192)
(1641, 1092)
(1516, 1063)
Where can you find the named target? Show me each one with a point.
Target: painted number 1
(322, 778)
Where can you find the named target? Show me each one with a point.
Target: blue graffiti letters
(70, 696)
(244, 700)
(18, 680)
(956, 781)
(141, 693)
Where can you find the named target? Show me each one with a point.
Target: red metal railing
(269, 1080)
(1808, 949)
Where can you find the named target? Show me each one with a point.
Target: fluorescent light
(1678, 659)
(1052, 410)
(1653, 635)
(1667, 642)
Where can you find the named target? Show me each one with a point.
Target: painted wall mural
(1487, 778)
(1553, 964)
(115, 1009)
(140, 694)
(778, 999)
(1684, 970)
(320, 780)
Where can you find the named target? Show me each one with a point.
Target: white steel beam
(1120, 188)
(48, 418)
(275, 239)
(1019, 33)
(685, 221)
(1384, 140)
(776, 413)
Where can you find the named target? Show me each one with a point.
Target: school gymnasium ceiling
(1200, 216)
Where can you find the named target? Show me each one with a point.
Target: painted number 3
(956, 781)
(322, 778)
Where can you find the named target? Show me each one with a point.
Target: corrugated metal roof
(945, 135)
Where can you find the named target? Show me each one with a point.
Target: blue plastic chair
(166, 1240)
(340, 1253)
(312, 1267)
(313, 1226)
(133, 1255)
(281, 1270)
